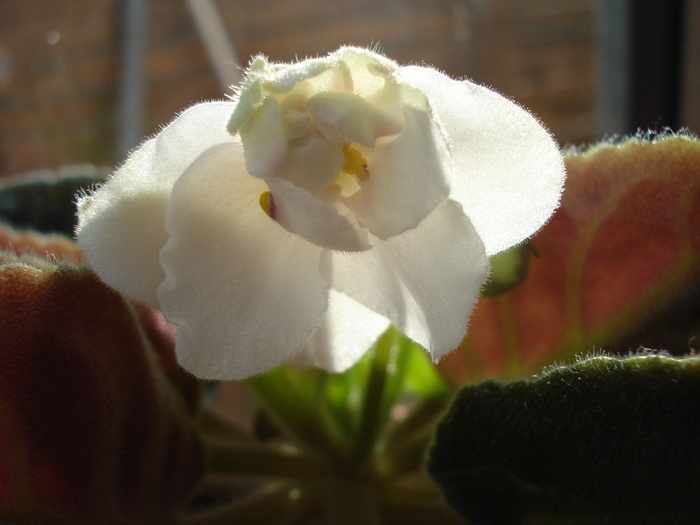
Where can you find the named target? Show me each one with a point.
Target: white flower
(335, 196)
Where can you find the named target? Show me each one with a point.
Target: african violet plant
(341, 205)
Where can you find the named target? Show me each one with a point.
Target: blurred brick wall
(542, 54)
(59, 60)
(56, 97)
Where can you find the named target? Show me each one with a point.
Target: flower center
(353, 170)
(354, 163)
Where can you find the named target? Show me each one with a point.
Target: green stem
(352, 501)
(254, 459)
(373, 408)
(273, 504)
(415, 499)
(408, 512)
(404, 449)
(422, 415)
(213, 424)
(406, 457)
(297, 416)
(417, 487)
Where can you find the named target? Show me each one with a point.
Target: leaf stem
(406, 443)
(296, 415)
(373, 408)
(214, 424)
(255, 459)
(269, 505)
(352, 501)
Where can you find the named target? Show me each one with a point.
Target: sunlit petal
(346, 117)
(507, 171)
(264, 293)
(407, 176)
(312, 166)
(425, 280)
(264, 139)
(123, 231)
(346, 331)
(318, 222)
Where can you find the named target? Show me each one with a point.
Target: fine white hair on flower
(333, 197)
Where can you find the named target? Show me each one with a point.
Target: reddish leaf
(161, 335)
(49, 247)
(624, 243)
(91, 430)
(47, 250)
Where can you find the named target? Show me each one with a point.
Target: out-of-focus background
(86, 80)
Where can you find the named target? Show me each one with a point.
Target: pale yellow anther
(267, 203)
(354, 163)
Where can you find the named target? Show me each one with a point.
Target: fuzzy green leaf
(609, 441)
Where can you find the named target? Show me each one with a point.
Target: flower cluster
(333, 197)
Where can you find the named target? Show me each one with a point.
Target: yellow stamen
(267, 203)
(355, 163)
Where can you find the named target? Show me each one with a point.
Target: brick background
(58, 96)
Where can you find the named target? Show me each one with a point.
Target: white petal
(369, 70)
(347, 330)
(264, 139)
(425, 280)
(407, 176)
(250, 95)
(318, 222)
(244, 293)
(122, 226)
(507, 170)
(121, 238)
(282, 78)
(346, 117)
(313, 166)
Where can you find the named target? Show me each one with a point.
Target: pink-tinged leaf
(91, 429)
(161, 336)
(48, 250)
(623, 245)
(50, 247)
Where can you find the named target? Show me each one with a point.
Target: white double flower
(333, 197)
